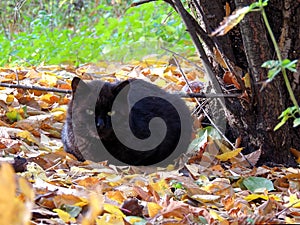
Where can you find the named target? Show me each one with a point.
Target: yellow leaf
(116, 195)
(96, 202)
(48, 80)
(59, 109)
(228, 155)
(156, 60)
(170, 77)
(113, 210)
(247, 80)
(110, 219)
(26, 189)
(59, 116)
(7, 197)
(160, 82)
(13, 210)
(10, 99)
(28, 136)
(66, 217)
(160, 187)
(133, 220)
(294, 201)
(215, 215)
(153, 209)
(49, 98)
(252, 197)
(170, 167)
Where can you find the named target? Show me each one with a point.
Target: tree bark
(255, 119)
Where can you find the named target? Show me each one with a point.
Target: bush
(51, 33)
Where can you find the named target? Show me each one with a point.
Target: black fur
(89, 124)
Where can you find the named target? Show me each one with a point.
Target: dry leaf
(153, 209)
(231, 21)
(228, 155)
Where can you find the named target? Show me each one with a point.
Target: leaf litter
(42, 184)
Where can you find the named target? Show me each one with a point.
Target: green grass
(57, 35)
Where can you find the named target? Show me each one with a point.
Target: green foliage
(202, 137)
(16, 114)
(286, 114)
(275, 66)
(60, 33)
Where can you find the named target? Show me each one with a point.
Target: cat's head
(92, 106)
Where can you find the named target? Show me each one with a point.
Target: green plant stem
(277, 50)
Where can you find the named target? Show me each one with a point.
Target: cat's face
(92, 107)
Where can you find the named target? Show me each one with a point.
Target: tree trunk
(247, 46)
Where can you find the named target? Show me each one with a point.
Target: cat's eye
(111, 113)
(89, 112)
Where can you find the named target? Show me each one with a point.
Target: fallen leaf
(153, 209)
(64, 216)
(228, 155)
(258, 184)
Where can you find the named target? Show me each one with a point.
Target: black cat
(131, 122)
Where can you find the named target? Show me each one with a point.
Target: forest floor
(41, 184)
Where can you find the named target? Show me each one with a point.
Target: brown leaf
(252, 157)
(131, 207)
(296, 153)
(229, 78)
(175, 209)
(227, 9)
(68, 199)
(142, 194)
(89, 183)
(19, 164)
(219, 58)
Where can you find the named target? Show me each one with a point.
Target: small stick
(191, 62)
(32, 87)
(141, 2)
(182, 94)
(209, 95)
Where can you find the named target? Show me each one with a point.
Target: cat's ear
(118, 87)
(76, 82)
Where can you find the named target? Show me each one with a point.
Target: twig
(32, 87)
(182, 95)
(282, 211)
(191, 62)
(209, 95)
(141, 2)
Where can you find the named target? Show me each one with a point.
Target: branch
(32, 87)
(208, 95)
(184, 58)
(182, 95)
(141, 2)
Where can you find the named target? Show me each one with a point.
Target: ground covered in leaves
(41, 184)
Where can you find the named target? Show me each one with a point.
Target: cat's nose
(100, 123)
